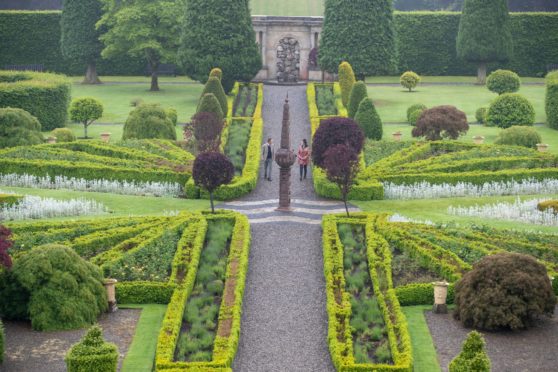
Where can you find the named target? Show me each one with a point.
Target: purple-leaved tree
(211, 170)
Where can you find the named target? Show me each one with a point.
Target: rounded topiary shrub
(148, 121)
(92, 354)
(414, 112)
(519, 136)
(19, 128)
(548, 205)
(66, 291)
(64, 135)
(480, 115)
(409, 80)
(45, 96)
(503, 81)
(473, 357)
(504, 291)
(510, 109)
(441, 122)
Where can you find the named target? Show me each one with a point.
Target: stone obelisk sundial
(285, 158)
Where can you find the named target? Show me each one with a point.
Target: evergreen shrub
(510, 109)
(358, 93)
(148, 121)
(409, 80)
(503, 81)
(64, 135)
(346, 81)
(368, 119)
(414, 112)
(480, 115)
(19, 128)
(210, 103)
(519, 136)
(473, 357)
(551, 101)
(92, 354)
(213, 86)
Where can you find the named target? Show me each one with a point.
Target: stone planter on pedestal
(110, 286)
(542, 147)
(440, 297)
(105, 137)
(479, 140)
(397, 136)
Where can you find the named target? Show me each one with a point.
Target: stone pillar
(285, 158)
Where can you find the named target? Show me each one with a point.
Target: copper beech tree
(341, 167)
(211, 170)
(441, 122)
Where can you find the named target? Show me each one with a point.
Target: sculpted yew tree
(211, 170)
(207, 131)
(441, 122)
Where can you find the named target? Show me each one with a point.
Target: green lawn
(424, 353)
(435, 210)
(115, 130)
(441, 79)
(141, 354)
(392, 101)
(287, 7)
(119, 205)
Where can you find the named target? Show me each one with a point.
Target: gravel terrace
(31, 351)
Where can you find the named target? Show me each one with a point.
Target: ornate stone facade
(288, 60)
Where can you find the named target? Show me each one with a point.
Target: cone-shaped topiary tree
(213, 85)
(473, 357)
(358, 93)
(484, 34)
(80, 38)
(66, 292)
(368, 119)
(92, 353)
(210, 103)
(360, 32)
(219, 33)
(211, 170)
(19, 128)
(346, 81)
(207, 131)
(216, 72)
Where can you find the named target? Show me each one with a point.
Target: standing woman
(303, 158)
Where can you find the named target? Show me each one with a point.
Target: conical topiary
(216, 72)
(368, 119)
(214, 86)
(346, 81)
(473, 357)
(358, 93)
(210, 103)
(92, 353)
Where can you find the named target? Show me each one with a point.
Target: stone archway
(288, 60)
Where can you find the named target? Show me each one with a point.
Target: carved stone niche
(288, 60)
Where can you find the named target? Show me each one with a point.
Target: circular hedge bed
(45, 96)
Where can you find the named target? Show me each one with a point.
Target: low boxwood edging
(45, 96)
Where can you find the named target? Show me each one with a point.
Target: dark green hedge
(427, 43)
(45, 96)
(33, 37)
(551, 101)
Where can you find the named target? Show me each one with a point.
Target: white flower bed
(36, 207)
(520, 211)
(80, 184)
(425, 190)
(400, 218)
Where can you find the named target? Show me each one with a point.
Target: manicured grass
(141, 354)
(115, 130)
(392, 101)
(137, 79)
(287, 7)
(119, 205)
(435, 210)
(440, 79)
(116, 98)
(548, 135)
(424, 353)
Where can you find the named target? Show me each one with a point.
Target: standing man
(268, 155)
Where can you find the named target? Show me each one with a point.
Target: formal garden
(137, 231)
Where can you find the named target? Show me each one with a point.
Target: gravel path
(31, 351)
(284, 321)
(535, 349)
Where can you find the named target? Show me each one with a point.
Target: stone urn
(440, 297)
(397, 136)
(110, 286)
(105, 137)
(51, 140)
(542, 147)
(479, 140)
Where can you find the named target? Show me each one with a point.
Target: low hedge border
(45, 96)
(338, 301)
(7, 200)
(226, 341)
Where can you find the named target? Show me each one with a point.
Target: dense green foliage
(409, 80)
(473, 357)
(346, 81)
(504, 291)
(237, 143)
(325, 100)
(207, 131)
(494, 43)
(551, 102)
(79, 36)
(57, 272)
(1, 342)
(480, 115)
(63, 135)
(85, 111)
(503, 81)
(368, 119)
(172, 115)
(92, 354)
(510, 109)
(365, 39)
(414, 112)
(18, 128)
(246, 100)
(45, 96)
(216, 72)
(210, 103)
(148, 121)
(377, 150)
(519, 136)
(358, 93)
(219, 33)
(441, 122)
(213, 86)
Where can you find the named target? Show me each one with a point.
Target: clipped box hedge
(551, 102)
(45, 96)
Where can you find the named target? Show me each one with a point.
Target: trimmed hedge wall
(426, 44)
(45, 96)
(552, 99)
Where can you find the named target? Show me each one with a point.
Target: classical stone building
(285, 44)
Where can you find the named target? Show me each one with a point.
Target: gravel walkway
(284, 321)
(31, 351)
(535, 349)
